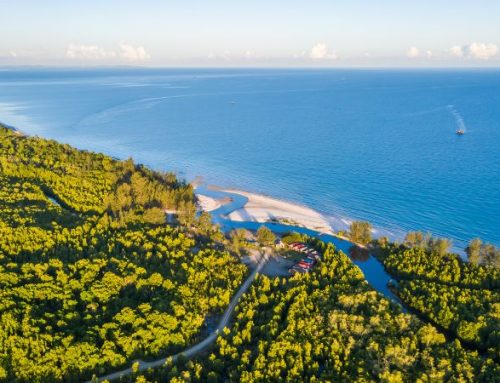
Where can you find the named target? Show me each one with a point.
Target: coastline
(342, 196)
(14, 129)
(259, 208)
(262, 208)
(266, 209)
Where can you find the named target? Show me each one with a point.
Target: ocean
(376, 145)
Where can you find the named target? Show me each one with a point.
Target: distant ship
(460, 132)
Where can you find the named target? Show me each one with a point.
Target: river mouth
(371, 267)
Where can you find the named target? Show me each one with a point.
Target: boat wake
(110, 114)
(461, 128)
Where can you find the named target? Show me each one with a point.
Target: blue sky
(251, 33)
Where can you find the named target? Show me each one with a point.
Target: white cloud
(320, 52)
(250, 55)
(226, 55)
(88, 52)
(126, 52)
(429, 54)
(457, 51)
(300, 55)
(479, 51)
(13, 54)
(413, 52)
(131, 53)
(240, 56)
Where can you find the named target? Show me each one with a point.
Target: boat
(460, 132)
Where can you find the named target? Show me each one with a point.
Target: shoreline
(290, 217)
(259, 206)
(14, 129)
(262, 208)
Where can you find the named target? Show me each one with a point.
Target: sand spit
(261, 208)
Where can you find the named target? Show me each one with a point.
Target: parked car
(305, 264)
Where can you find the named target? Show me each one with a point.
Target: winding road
(195, 349)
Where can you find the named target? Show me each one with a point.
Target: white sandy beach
(261, 208)
(207, 203)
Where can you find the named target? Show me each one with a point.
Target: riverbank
(238, 206)
(242, 202)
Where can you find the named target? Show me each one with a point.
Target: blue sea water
(377, 145)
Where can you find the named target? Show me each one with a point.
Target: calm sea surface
(377, 145)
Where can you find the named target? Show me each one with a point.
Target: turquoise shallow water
(377, 145)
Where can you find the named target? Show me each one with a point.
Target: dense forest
(328, 326)
(460, 297)
(90, 276)
(93, 276)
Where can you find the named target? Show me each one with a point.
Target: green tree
(439, 246)
(237, 240)
(473, 251)
(265, 237)
(488, 254)
(186, 214)
(135, 367)
(360, 232)
(416, 239)
(204, 223)
(154, 215)
(291, 237)
(383, 242)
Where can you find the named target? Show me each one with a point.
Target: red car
(306, 263)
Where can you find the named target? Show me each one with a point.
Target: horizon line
(315, 67)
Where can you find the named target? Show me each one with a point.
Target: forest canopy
(328, 326)
(91, 277)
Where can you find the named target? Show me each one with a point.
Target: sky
(256, 33)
